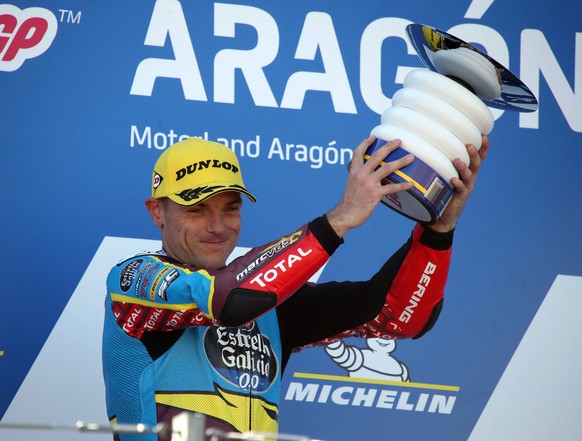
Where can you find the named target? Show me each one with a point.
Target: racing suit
(178, 338)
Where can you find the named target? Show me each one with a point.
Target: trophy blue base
(426, 201)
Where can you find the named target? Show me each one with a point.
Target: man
(184, 332)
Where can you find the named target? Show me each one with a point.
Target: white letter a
(168, 19)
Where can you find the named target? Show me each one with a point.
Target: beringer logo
(24, 33)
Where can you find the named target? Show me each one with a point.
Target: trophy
(439, 110)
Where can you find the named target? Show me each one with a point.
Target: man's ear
(155, 209)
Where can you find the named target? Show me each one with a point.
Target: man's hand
(463, 187)
(364, 188)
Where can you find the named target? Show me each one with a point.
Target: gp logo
(24, 33)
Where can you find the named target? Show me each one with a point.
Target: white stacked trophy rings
(438, 112)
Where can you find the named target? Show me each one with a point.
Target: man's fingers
(390, 167)
(358, 157)
(379, 155)
(484, 147)
(395, 188)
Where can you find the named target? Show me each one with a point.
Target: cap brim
(197, 195)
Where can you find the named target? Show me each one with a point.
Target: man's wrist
(436, 239)
(336, 223)
(325, 234)
(440, 228)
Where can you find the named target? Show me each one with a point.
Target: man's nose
(216, 223)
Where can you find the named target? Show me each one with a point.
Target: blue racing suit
(178, 338)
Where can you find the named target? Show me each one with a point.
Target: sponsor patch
(157, 180)
(166, 282)
(242, 356)
(128, 273)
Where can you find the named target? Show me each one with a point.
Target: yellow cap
(193, 170)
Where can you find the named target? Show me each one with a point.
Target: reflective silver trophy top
(490, 81)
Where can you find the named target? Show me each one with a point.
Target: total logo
(24, 34)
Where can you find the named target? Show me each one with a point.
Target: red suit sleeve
(412, 298)
(416, 292)
(267, 276)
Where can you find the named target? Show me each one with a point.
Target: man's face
(202, 235)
